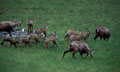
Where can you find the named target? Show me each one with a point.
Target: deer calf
(35, 37)
(42, 30)
(70, 32)
(11, 41)
(26, 41)
(51, 39)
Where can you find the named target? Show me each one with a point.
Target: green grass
(61, 15)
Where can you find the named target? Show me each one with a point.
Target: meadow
(61, 15)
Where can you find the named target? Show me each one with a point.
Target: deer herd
(77, 39)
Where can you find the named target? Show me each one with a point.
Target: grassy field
(61, 15)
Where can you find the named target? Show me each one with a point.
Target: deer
(35, 37)
(102, 32)
(11, 41)
(8, 26)
(30, 26)
(42, 30)
(26, 41)
(85, 34)
(78, 46)
(69, 33)
(51, 39)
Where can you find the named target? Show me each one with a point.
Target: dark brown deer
(42, 30)
(30, 26)
(7, 39)
(8, 26)
(12, 42)
(102, 32)
(51, 39)
(81, 47)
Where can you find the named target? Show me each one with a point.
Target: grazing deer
(42, 30)
(77, 46)
(8, 26)
(30, 26)
(51, 39)
(102, 32)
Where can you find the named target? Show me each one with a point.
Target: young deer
(26, 41)
(35, 37)
(30, 26)
(76, 37)
(42, 30)
(12, 42)
(70, 32)
(85, 35)
(51, 39)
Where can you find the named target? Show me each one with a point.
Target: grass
(61, 15)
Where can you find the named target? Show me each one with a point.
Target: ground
(61, 15)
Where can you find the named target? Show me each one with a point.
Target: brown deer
(70, 32)
(42, 30)
(85, 34)
(51, 39)
(35, 37)
(26, 41)
(76, 37)
(30, 26)
(12, 42)
(81, 47)
(8, 26)
(102, 32)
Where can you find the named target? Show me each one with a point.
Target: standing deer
(51, 39)
(70, 32)
(26, 41)
(81, 47)
(30, 26)
(42, 30)
(102, 32)
(8, 26)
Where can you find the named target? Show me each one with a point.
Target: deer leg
(87, 55)
(80, 54)
(25, 44)
(15, 45)
(73, 54)
(2, 42)
(96, 36)
(66, 51)
(101, 37)
(54, 42)
(46, 44)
